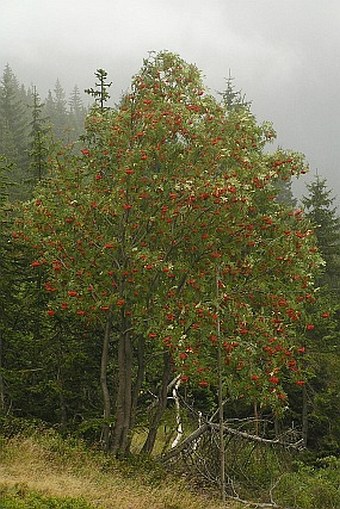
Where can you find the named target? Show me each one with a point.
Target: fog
(283, 54)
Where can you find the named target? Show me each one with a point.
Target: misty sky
(284, 55)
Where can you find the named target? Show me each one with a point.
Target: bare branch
(185, 443)
(256, 438)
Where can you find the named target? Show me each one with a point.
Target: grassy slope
(48, 466)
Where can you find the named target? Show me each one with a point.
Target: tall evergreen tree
(322, 394)
(13, 127)
(322, 212)
(56, 111)
(77, 113)
(232, 98)
(39, 145)
(100, 92)
(61, 125)
(3, 274)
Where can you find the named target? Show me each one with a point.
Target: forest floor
(52, 467)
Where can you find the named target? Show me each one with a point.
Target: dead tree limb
(185, 443)
(255, 438)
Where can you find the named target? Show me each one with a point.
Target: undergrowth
(43, 470)
(20, 497)
(65, 471)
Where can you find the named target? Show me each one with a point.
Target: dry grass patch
(48, 466)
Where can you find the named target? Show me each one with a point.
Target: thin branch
(255, 504)
(256, 438)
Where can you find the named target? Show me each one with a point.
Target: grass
(47, 466)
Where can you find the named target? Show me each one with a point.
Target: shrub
(311, 487)
(20, 498)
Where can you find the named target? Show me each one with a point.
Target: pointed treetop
(100, 95)
(233, 98)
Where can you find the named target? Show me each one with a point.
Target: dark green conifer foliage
(323, 390)
(100, 93)
(13, 128)
(320, 209)
(5, 278)
(39, 143)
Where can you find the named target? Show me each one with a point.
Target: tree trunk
(121, 435)
(62, 403)
(2, 385)
(304, 416)
(138, 382)
(161, 406)
(104, 386)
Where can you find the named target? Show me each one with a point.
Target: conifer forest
(165, 299)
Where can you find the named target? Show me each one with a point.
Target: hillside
(53, 468)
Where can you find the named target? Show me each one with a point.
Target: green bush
(20, 498)
(311, 487)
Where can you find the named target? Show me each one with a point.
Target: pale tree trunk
(179, 424)
(161, 406)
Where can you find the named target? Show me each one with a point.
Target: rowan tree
(165, 232)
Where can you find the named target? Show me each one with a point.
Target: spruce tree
(322, 393)
(100, 92)
(232, 98)
(3, 273)
(13, 128)
(56, 111)
(77, 113)
(39, 143)
(322, 212)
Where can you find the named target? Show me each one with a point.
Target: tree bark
(304, 416)
(121, 435)
(2, 384)
(104, 386)
(161, 406)
(62, 403)
(138, 382)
